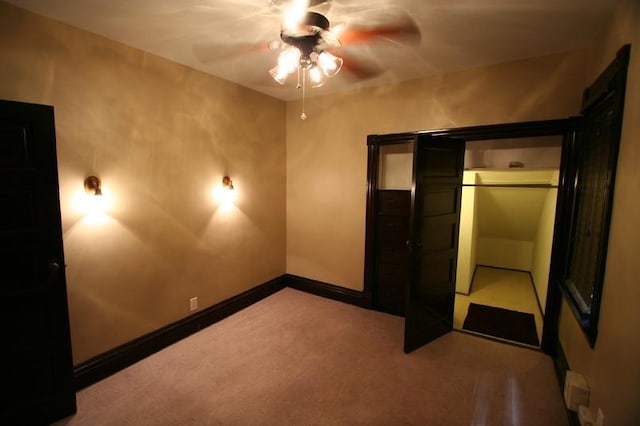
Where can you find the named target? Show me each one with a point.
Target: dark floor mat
(503, 323)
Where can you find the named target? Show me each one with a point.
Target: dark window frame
(592, 172)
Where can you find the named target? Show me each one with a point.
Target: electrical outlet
(193, 303)
(600, 418)
(584, 416)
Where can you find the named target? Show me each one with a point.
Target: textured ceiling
(221, 37)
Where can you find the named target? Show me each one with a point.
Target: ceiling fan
(307, 43)
(311, 48)
(313, 51)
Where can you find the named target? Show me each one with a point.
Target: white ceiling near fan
(219, 36)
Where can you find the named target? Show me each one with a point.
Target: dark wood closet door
(392, 253)
(36, 364)
(435, 219)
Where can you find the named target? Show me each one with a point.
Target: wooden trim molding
(535, 291)
(121, 357)
(491, 131)
(330, 291)
(562, 366)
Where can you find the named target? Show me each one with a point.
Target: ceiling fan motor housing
(307, 35)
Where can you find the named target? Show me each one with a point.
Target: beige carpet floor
(298, 359)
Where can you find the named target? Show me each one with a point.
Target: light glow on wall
(225, 194)
(95, 208)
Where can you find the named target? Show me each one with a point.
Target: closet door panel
(391, 269)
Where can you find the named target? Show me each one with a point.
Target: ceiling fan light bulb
(317, 76)
(289, 59)
(294, 13)
(329, 63)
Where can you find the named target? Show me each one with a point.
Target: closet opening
(509, 196)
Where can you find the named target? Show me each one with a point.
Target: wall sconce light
(92, 201)
(227, 183)
(93, 185)
(225, 193)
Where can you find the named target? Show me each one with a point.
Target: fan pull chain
(303, 116)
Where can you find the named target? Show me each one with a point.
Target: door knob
(54, 267)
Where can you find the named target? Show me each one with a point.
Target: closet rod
(511, 185)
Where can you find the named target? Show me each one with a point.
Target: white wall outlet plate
(599, 418)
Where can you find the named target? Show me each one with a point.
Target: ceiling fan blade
(361, 70)
(405, 33)
(211, 53)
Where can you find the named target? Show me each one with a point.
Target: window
(594, 157)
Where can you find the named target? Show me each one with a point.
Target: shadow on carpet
(503, 323)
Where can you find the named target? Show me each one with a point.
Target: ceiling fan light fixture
(278, 75)
(288, 62)
(289, 59)
(317, 76)
(307, 35)
(330, 64)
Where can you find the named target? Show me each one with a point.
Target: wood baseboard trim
(473, 279)
(121, 357)
(330, 291)
(560, 363)
(535, 291)
(562, 366)
(114, 360)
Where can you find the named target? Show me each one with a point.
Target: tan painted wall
(327, 156)
(612, 367)
(160, 136)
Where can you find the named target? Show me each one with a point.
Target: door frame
(560, 127)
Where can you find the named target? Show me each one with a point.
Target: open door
(36, 364)
(435, 216)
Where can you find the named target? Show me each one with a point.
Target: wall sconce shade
(225, 194)
(93, 185)
(92, 202)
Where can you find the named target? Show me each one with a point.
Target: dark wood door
(391, 252)
(434, 223)
(36, 366)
